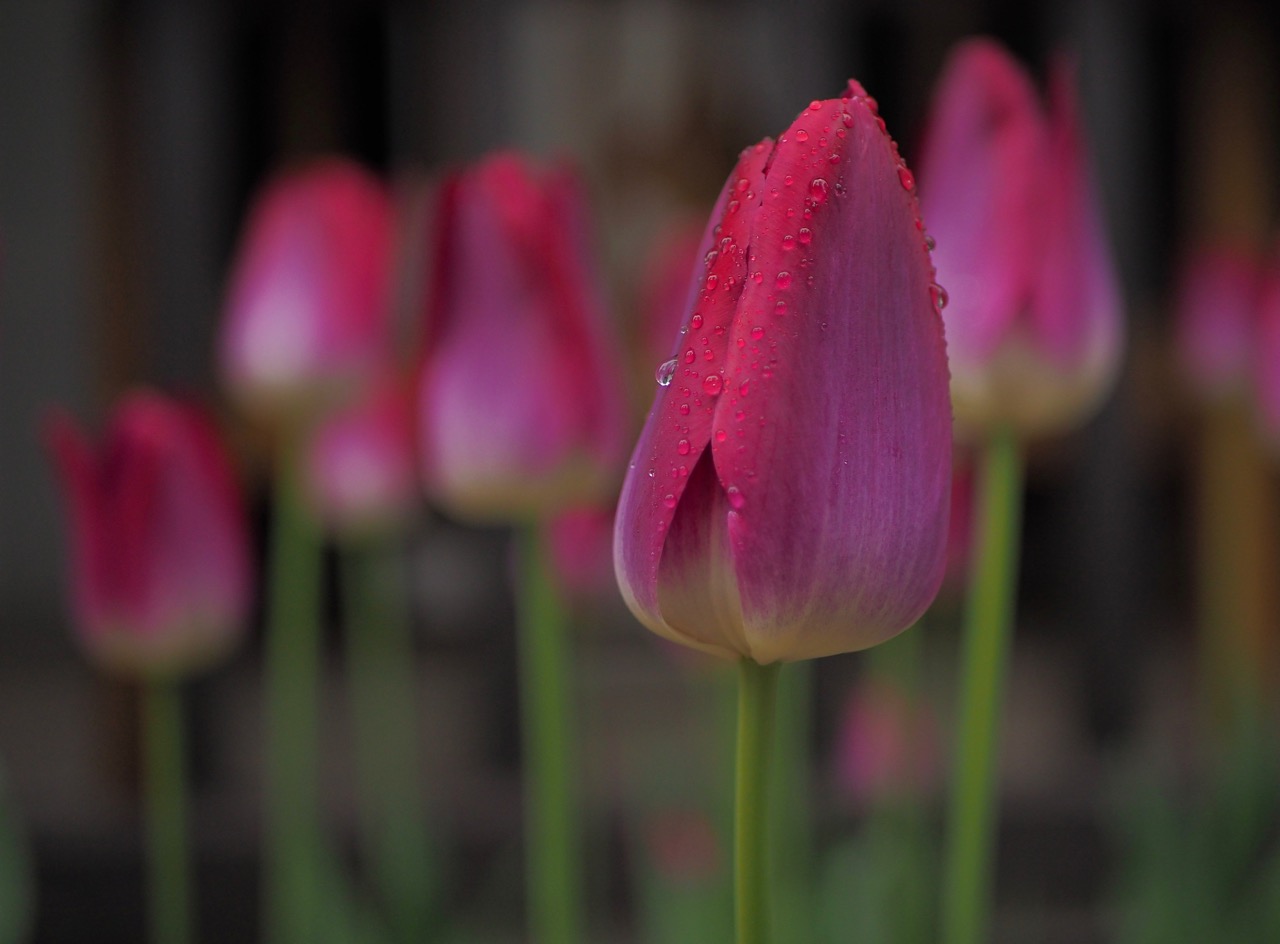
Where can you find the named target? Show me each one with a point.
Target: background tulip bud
(307, 311)
(520, 408)
(361, 463)
(788, 495)
(1219, 297)
(160, 568)
(1265, 366)
(1033, 321)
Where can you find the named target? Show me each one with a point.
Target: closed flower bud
(520, 405)
(1219, 300)
(788, 495)
(160, 568)
(1034, 320)
(307, 311)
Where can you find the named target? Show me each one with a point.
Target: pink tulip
(1265, 365)
(160, 569)
(308, 310)
(788, 496)
(1219, 298)
(521, 408)
(361, 464)
(1034, 319)
(579, 539)
(665, 300)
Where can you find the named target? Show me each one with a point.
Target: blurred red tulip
(308, 309)
(1219, 302)
(521, 397)
(788, 496)
(160, 563)
(1034, 316)
(360, 467)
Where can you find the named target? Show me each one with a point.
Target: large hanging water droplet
(906, 178)
(939, 296)
(666, 370)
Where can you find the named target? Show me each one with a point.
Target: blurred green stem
(553, 868)
(168, 855)
(972, 820)
(757, 697)
(294, 899)
(394, 833)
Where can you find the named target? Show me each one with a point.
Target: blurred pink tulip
(1034, 315)
(580, 541)
(1219, 300)
(888, 743)
(521, 397)
(1265, 365)
(160, 568)
(361, 463)
(788, 496)
(308, 308)
(666, 301)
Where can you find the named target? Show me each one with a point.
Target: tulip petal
(832, 440)
(1219, 297)
(1075, 318)
(678, 429)
(981, 173)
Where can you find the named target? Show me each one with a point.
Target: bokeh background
(132, 134)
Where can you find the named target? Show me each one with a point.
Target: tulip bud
(1219, 296)
(788, 495)
(307, 312)
(1265, 366)
(1033, 324)
(160, 570)
(360, 466)
(520, 408)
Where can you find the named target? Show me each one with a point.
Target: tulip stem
(292, 832)
(168, 855)
(383, 692)
(757, 697)
(972, 820)
(552, 845)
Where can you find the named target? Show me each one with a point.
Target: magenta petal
(1219, 297)
(837, 446)
(1266, 358)
(678, 429)
(1075, 318)
(981, 174)
(520, 414)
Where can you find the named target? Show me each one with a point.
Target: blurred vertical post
(1229, 193)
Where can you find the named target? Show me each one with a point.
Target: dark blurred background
(131, 137)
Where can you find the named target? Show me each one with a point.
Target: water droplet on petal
(818, 189)
(682, 447)
(669, 500)
(732, 207)
(802, 135)
(815, 105)
(712, 281)
(696, 321)
(906, 178)
(742, 184)
(736, 498)
(689, 356)
(847, 119)
(780, 308)
(806, 236)
(784, 279)
(666, 370)
(930, 243)
(788, 242)
(757, 333)
(939, 296)
(712, 384)
(721, 435)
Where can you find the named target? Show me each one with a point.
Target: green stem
(168, 855)
(970, 854)
(292, 868)
(379, 635)
(757, 694)
(552, 867)
(791, 808)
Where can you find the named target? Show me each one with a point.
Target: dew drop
(708, 355)
(732, 207)
(784, 279)
(906, 178)
(742, 184)
(669, 500)
(682, 447)
(710, 258)
(721, 435)
(788, 180)
(815, 105)
(712, 282)
(806, 236)
(818, 189)
(684, 409)
(745, 388)
(847, 119)
(682, 471)
(736, 498)
(930, 243)
(652, 472)
(696, 321)
(712, 384)
(757, 333)
(666, 370)
(788, 242)
(780, 308)
(802, 135)
(939, 296)
(757, 277)
(689, 356)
